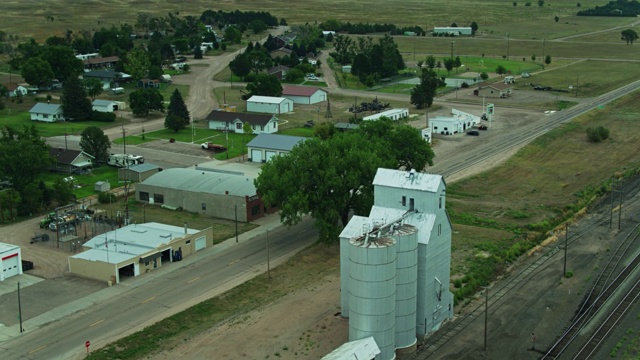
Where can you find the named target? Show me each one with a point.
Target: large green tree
(93, 87)
(137, 64)
(23, 155)
(75, 104)
(331, 179)
(93, 141)
(265, 85)
(178, 116)
(63, 62)
(629, 36)
(37, 72)
(143, 101)
(258, 60)
(240, 66)
(422, 95)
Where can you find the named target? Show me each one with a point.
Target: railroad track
(599, 294)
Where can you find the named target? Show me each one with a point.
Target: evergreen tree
(178, 108)
(75, 104)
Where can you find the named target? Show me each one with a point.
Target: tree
(240, 66)
(265, 85)
(515, 4)
(484, 76)
(93, 141)
(174, 123)
(629, 36)
(474, 27)
(422, 95)
(320, 177)
(143, 101)
(541, 3)
(178, 108)
(431, 62)
(63, 62)
(344, 50)
(547, 59)
(457, 63)
(137, 64)
(449, 64)
(294, 75)
(24, 155)
(232, 35)
(37, 72)
(501, 70)
(62, 191)
(75, 104)
(556, 18)
(93, 87)
(197, 53)
(258, 61)
(597, 134)
(533, 57)
(283, 22)
(257, 26)
(369, 81)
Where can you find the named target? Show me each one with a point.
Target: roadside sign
(86, 344)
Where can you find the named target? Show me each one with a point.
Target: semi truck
(122, 160)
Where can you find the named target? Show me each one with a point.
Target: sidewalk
(7, 333)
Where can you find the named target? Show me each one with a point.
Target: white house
(265, 146)
(393, 114)
(10, 261)
(269, 104)
(14, 90)
(458, 122)
(104, 105)
(397, 262)
(232, 121)
(304, 94)
(46, 112)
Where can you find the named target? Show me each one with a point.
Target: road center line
(192, 280)
(38, 349)
(149, 299)
(96, 323)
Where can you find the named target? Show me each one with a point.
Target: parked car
(483, 127)
(525, 74)
(473, 133)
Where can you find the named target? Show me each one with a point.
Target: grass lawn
(86, 182)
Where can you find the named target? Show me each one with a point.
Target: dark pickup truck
(213, 147)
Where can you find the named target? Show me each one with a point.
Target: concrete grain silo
(372, 292)
(406, 237)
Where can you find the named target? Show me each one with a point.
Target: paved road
(118, 311)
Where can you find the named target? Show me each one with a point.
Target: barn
(304, 94)
(222, 195)
(265, 146)
(10, 261)
(269, 105)
(137, 249)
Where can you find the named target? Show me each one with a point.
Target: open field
(87, 15)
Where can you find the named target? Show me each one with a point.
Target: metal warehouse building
(137, 249)
(269, 105)
(393, 114)
(216, 194)
(10, 261)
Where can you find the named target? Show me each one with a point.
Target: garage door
(256, 155)
(270, 154)
(201, 243)
(10, 266)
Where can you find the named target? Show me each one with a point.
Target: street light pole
(566, 238)
(20, 308)
(453, 42)
(268, 258)
(507, 46)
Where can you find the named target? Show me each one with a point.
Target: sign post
(86, 344)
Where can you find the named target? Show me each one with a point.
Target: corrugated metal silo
(406, 286)
(372, 292)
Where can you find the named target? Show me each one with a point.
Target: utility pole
(20, 308)
(611, 210)
(268, 258)
(124, 139)
(620, 209)
(507, 46)
(486, 316)
(236, 213)
(453, 42)
(566, 238)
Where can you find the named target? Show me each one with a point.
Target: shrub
(103, 116)
(484, 76)
(597, 134)
(569, 274)
(106, 197)
(464, 85)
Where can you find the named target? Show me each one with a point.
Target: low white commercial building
(10, 261)
(269, 105)
(458, 122)
(453, 30)
(393, 114)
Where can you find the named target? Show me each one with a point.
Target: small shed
(104, 105)
(269, 105)
(10, 261)
(346, 69)
(137, 173)
(102, 186)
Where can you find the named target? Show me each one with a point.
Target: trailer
(123, 160)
